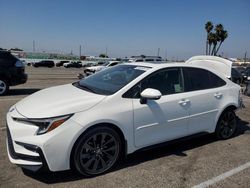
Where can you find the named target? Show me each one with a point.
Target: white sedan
(89, 125)
(91, 70)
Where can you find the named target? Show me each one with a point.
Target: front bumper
(51, 150)
(19, 79)
(29, 162)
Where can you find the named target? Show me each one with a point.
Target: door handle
(184, 102)
(218, 95)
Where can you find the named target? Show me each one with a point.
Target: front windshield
(110, 80)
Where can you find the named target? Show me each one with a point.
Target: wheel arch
(231, 106)
(6, 76)
(110, 125)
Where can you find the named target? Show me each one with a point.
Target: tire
(97, 151)
(227, 125)
(4, 86)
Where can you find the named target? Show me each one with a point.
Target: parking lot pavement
(179, 164)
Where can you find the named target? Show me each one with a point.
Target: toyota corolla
(90, 124)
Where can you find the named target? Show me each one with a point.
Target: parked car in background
(237, 76)
(91, 70)
(75, 64)
(88, 64)
(94, 122)
(248, 73)
(44, 63)
(242, 70)
(148, 59)
(247, 90)
(12, 72)
(60, 63)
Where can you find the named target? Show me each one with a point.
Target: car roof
(162, 65)
(157, 66)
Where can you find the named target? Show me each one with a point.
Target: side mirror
(152, 94)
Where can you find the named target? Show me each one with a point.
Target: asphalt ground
(202, 161)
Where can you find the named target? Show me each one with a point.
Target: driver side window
(167, 81)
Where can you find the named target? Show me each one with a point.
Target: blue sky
(128, 27)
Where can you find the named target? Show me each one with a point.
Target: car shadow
(21, 91)
(177, 147)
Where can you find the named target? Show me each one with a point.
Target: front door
(164, 119)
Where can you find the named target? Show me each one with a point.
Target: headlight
(47, 124)
(19, 64)
(248, 78)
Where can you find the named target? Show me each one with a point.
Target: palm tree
(210, 39)
(209, 27)
(219, 35)
(214, 41)
(222, 35)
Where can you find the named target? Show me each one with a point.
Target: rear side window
(199, 79)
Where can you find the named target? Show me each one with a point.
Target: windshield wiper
(85, 87)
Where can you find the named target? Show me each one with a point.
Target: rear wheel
(4, 86)
(227, 125)
(97, 151)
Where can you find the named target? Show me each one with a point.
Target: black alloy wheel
(227, 125)
(97, 151)
(4, 86)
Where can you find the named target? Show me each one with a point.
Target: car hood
(217, 64)
(57, 101)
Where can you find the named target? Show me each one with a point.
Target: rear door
(205, 91)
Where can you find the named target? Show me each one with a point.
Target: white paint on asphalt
(10, 99)
(223, 176)
(2, 128)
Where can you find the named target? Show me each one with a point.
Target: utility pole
(106, 52)
(80, 51)
(166, 54)
(34, 46)
(158, 52)
(245, 58)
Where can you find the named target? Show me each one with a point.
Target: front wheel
(227, 125)
(97, 151)
(4, 86)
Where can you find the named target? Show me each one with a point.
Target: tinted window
(168, 81)
(6, 59)
(113, 64)
(149, 59)
(139, 60)
(216, 81)
(199, 79)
